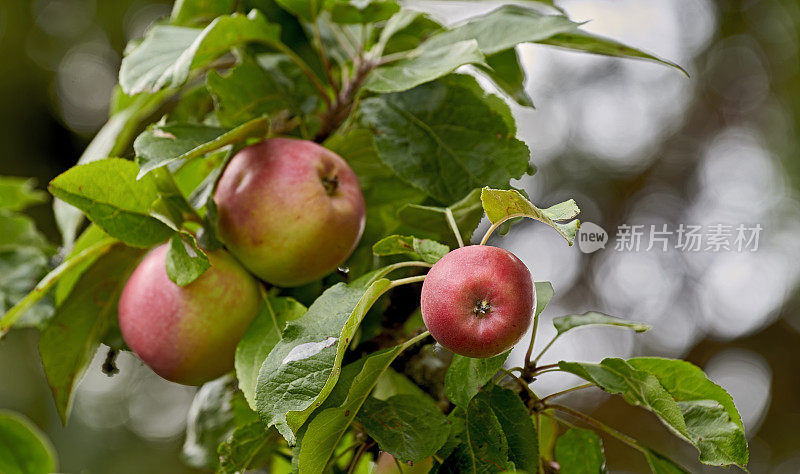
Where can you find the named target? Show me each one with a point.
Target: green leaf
(523, 441)
(458, 432)
(720, 441)
(363, 11)
(113, 139)
(590, 43)
(504, 28)
(445, 139)
(408, 427)
(210, 421)
(485, 449)
(108, 192)
(497, 33)
(169, 53)
(249, 447)
(250, 91)
(298, 90)
(261, 336)
(704, 422)
(24, 448)
(424, 65)
(185, 260)
(687, 382)
(710, 414)
(426, 250)
(510, 25)
(305, 9)
(637, 387)
(24, 259)
(91, 236)
(466, 376)
(593, 318)
(329, 424)
(20, 269)
(467, 214)
(42, 288)
(548, 433)
(163, 144)
(405, 31)
(580, 451)
(501, 204)
(507, 73)
(304, 366)
(79, 324)
(197, 177)
(149, 66)
(171, 207)
(194, 104)
(392, 382)
(660, 464)
(429, 250)
(17, 194)
(19, 231)
(544, 293)
(191, 12)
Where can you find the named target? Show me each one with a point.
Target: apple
(290, 210)
(478, 301)
(187, 334)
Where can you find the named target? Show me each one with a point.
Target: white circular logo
(591, 237)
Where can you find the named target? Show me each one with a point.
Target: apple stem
(563, 392)
(451, 221)
(305, 69)
(389, 269)
(549, 344)
(331, 184)
(326, 64)
(497, 224)
(600, 425)
(339, 109)
(521, 383)
(539, 370)
(405, 281)
(347, 43)
(527, 364)
(416, 339)
(357, 457)
(548, 371)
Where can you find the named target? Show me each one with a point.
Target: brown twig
(342, 105)
(599, 425)
(326, 64)
(357, 457)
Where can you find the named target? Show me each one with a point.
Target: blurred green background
(632, 142)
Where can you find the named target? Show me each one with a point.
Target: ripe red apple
(478, 300)
(290, 210)
(187, 334)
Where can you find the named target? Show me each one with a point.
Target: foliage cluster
(397, 95)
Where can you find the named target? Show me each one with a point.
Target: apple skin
(290, 210)
(187, 335)
(478, 301)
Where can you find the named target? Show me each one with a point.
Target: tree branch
(338, 112)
